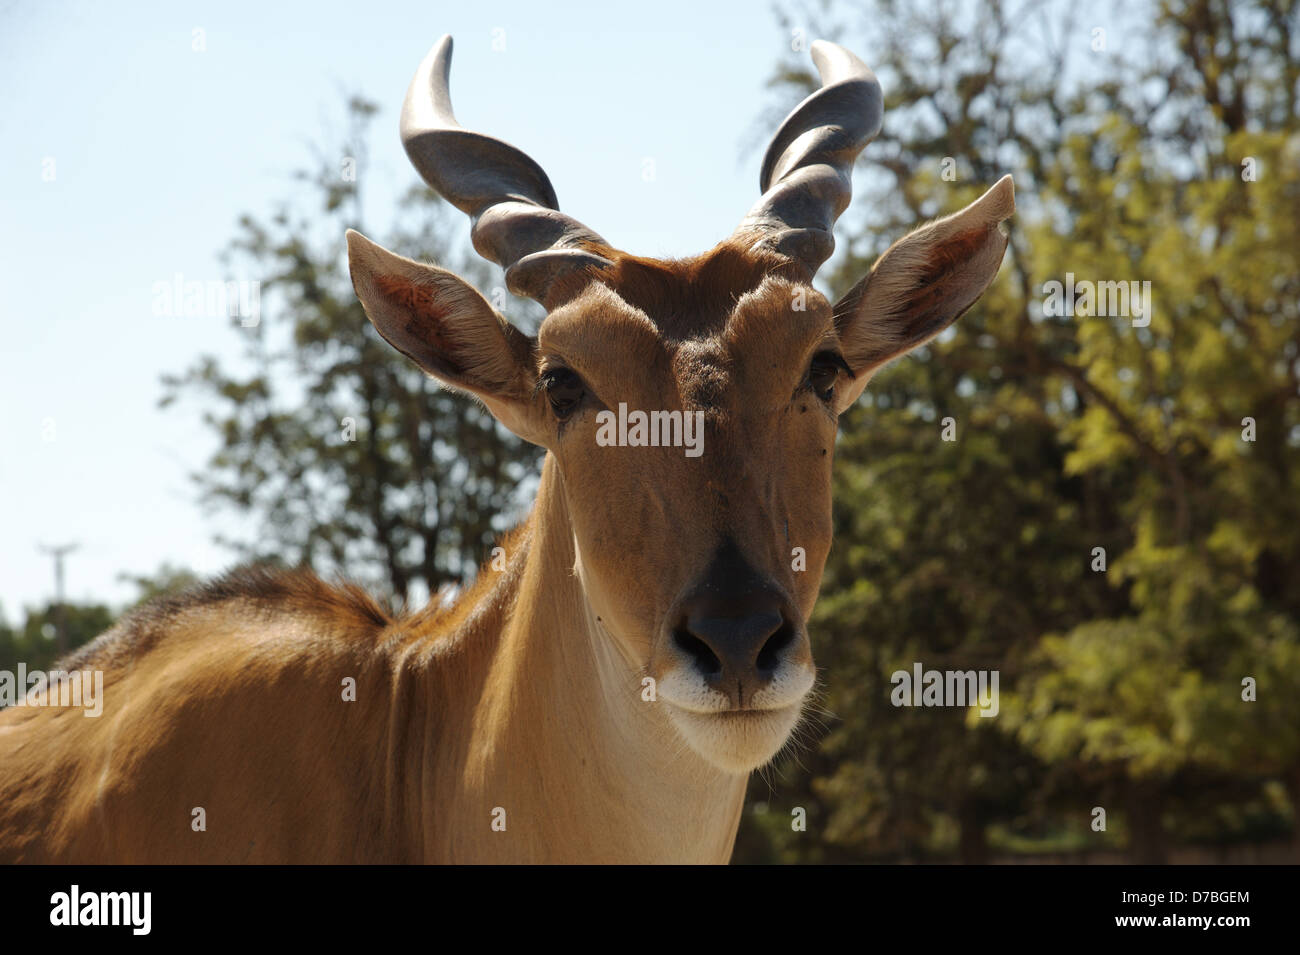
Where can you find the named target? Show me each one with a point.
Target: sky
(134, 136)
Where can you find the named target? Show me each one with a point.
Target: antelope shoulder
(225, 711)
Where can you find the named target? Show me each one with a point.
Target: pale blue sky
(158, 148)
(129, 155)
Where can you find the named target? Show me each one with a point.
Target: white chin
(736, 742)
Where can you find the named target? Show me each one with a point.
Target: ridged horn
(516, 219)
(806, 180)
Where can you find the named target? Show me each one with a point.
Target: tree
(32, 642)
(347, 457)
(168, 580)
(1076, 430)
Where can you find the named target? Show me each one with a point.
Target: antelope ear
(921, 285)
(441, 322)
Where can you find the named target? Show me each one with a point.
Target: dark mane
(266, 588)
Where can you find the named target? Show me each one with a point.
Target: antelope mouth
(736, 740)
(743, 714)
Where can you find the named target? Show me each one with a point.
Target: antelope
(604, 696)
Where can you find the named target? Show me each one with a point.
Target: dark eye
(564, 390)
(823, 372)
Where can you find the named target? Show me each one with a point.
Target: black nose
(735, 627)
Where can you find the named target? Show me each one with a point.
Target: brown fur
(266, 589)
(690, 297)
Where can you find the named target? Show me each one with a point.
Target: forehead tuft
(702, 371)
(691, 325)
(693, 298)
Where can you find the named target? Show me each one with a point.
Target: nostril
(705, 659)
(769, 658)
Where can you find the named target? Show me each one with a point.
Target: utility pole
(60, 609)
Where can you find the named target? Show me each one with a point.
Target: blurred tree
(347, 457)
(32, 642)
(1171, 156)
(166, 581)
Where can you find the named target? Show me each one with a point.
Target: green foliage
(340, 452)
(167, 581)
(33, 642)
(1120, 688)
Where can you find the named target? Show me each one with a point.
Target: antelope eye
(564, 390)
(823, 372)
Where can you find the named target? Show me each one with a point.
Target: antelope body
(603, 698)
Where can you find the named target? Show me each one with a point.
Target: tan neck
(558, 733)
